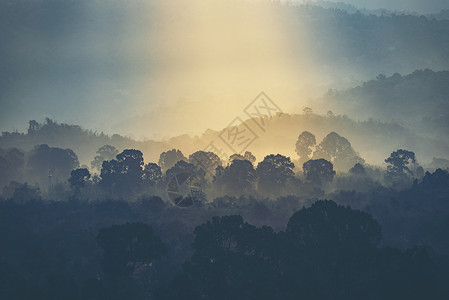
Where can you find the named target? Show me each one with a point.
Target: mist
(238, 149)
(152, 69)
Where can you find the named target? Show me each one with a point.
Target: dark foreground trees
(128, 253)
(327, 252)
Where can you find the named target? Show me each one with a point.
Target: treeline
(205, 180)
(373, 139)
(419, 100)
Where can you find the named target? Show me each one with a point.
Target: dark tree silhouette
(318, 171)
(249, 156)
(127, 246)
(123, 175)
(274, 172)
(152, 174)
(12, 163)
(129, 250)
(239, 178)
(207, 161)
(170, 158)
(236, 156)
(105, 152)
(399, 162)
(327, 224)
(78, 179)
(230, 260)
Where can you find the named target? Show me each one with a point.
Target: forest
(322, 225)
(132, 165)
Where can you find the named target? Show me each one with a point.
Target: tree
(78, 179)
(230, 260)
(236, 156)
(127, 246)
(170, 158)
(339, 151)
(304, 146)
(330, 252)
(208, 161)
(33, 126)
(128, 253)
(124, 174)
(238, 178)
(398, 163)
(152, 174)
(358, 169)
(274, 172)
(327, 224)
(318, 171)
(12, 163)
(45, 161)
(249, 156)
(105, 152)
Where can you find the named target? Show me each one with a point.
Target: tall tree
(274, 172)
(318, 171)
(239, 178)
(305, 146)
(339, 151)
(106, 152)
(170, 158)
(399, 163)
(123, 175)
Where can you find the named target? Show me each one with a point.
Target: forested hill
(419, 100)
(83, 142)
(374, 140)
(352, 45)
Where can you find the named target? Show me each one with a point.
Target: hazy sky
(168, 66)
(420, 6)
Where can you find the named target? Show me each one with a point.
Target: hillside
(374, 140)
(419, 100)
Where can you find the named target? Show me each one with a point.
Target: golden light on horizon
(225, 53)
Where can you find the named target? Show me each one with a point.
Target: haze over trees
(341, 197)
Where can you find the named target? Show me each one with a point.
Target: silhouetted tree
(238, 178)
(318, 171)
(274, 172)
(124, 174)
(170, 158)
(127, 246)
(236, 156)
(105, 152)
(152, 174)
(208, 161)
(127, 250)
(398, 163)
(249, 156)
(78, 179)
(12, 163)
(230, 260)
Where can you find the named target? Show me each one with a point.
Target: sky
(152, 69)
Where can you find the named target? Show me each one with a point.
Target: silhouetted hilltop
(419, 100)
(84, 142)
(374, 140)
